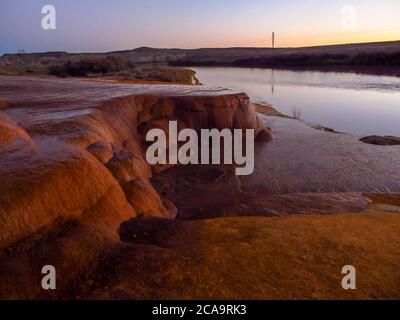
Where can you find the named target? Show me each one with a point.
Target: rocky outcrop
(381, 140)
(72, 169)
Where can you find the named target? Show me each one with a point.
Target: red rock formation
(72, 169)
(9, 131)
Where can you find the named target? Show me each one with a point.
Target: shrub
(83, 67)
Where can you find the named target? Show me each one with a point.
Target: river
(345, 102)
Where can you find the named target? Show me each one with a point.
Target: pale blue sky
(94, 25)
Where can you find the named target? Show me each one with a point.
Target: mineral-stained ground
(77, 193)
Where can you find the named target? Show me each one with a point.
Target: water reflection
(272, 82)
(360, 104)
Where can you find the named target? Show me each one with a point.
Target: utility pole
(273, 40)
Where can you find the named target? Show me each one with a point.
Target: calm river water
(346, 102)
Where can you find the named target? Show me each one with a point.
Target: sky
(101, 25)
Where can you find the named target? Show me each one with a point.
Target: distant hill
(378, 57)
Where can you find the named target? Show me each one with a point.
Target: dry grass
(296, 113)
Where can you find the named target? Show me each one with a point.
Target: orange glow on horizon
(284, 40)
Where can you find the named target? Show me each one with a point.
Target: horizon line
(198, 48)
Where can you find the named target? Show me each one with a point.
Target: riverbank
(381, 58)
(378, 69)
(378, 58)
(92, 67)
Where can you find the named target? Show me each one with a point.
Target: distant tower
(273, 40)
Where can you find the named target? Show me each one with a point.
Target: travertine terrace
(72, 168)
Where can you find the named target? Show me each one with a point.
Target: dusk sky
(93, 25)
